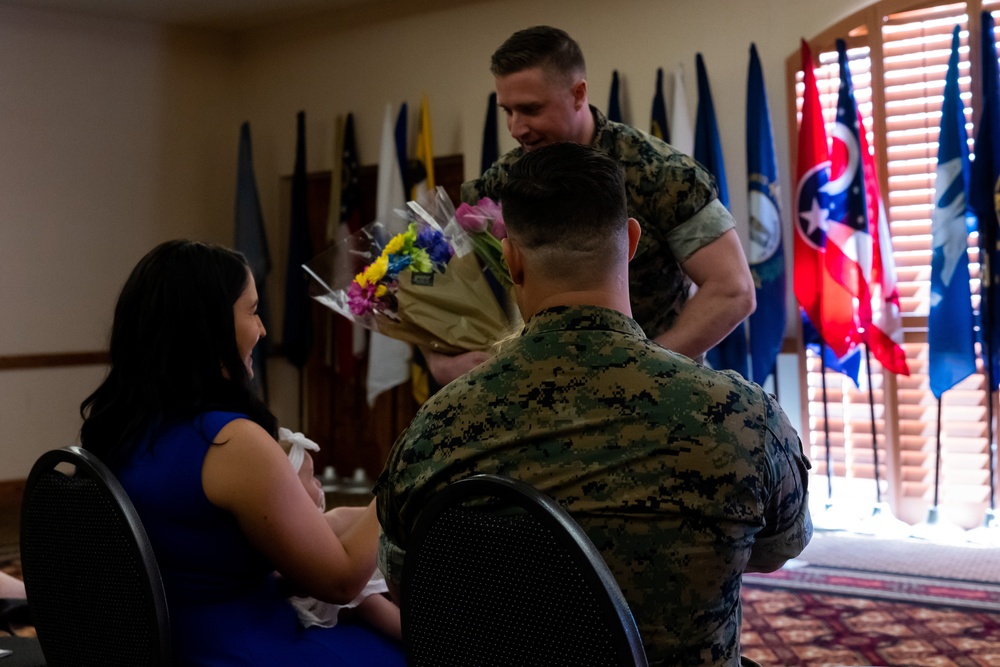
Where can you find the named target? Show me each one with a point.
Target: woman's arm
(247, 474)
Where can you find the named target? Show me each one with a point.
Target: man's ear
(579, 91)
(512, 255)
(634, 233)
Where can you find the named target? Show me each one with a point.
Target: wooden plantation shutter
(898, 54)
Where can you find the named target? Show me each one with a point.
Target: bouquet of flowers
(413, 277)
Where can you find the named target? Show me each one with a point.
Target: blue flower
(436, 245)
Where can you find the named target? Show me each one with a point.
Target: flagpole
(774, 374)
(871, 406)
(826, 426)
(937, 456)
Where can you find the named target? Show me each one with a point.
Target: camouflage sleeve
(699, 230)
(787, 524)
(390, 561)
(488, 185)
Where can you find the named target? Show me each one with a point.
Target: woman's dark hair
(173, 348)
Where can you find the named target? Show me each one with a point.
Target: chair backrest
(94, 589)
(497, 573)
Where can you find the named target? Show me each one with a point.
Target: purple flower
(435, 244)
(361, 300)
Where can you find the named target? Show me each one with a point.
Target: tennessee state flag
(827, 303)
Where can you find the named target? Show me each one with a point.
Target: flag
(424, 175)
(826, 303)
(658, 124)
(614, 100)
(491, 142)
(984, 173)
(767, 255)
(296, 338)
(388, 358)
(731, 352)
(345, 219)
(848, 365)
(884, 332)
(950, 335)
(681, 134)
(848, 244)
(251, 240)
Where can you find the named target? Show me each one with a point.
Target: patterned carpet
(805, 628)
(796, 628)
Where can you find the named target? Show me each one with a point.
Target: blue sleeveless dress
(225, 608)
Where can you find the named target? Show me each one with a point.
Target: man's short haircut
(540, 46)
(565, 195)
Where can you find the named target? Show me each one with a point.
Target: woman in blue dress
(177, 422)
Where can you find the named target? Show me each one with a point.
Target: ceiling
(232, 15)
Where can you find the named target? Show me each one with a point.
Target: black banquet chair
(497, 573)
(93, 585)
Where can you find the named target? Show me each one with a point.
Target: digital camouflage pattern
(675, 201)
(683, 477)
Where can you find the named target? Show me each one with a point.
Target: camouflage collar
(602, 136)
(562, 318)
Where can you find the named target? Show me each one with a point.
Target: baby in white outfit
(371, 606)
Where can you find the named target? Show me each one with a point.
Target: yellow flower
(380, 291)
(375, 271)
(395, 245)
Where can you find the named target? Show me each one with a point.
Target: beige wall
(112, 138)
(116, 135)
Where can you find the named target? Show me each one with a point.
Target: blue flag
(658, 124)
(251, 240)
(491, 142)
(767, 255)
(950, 335)
(296, 337)
(401, 159)
(849, 364)
(984, 173)
(614, 103)
(731, 352)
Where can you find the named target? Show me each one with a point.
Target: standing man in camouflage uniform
(683, 477)
(687, 234)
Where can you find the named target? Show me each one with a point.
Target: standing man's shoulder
(488, 185)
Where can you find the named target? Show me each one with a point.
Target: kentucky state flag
(950, 335)
(767, 256)
(731, 352)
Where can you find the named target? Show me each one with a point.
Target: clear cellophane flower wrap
(416, 278)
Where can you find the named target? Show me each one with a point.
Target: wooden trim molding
(52, 360)
(11, 492)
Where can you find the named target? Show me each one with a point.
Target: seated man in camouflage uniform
(683, 477)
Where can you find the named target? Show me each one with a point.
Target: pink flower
(469, 219)
(487, 215)
(361, 299)
(494, 212)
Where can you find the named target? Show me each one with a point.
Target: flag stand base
(937, 529)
